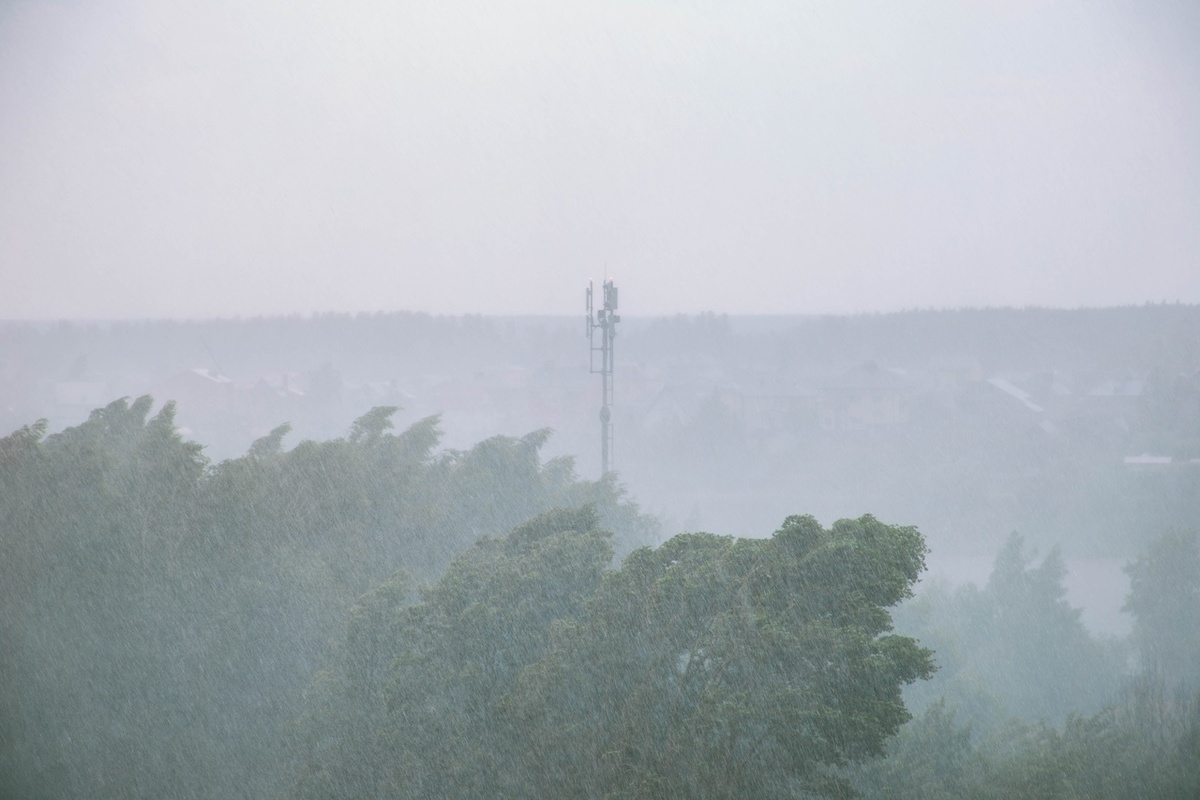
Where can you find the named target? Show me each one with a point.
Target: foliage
(999, 730)
(1015, 648)
(1145, 746)
(160, 616)
(931, 758)
(1164, 599)
(709, 667)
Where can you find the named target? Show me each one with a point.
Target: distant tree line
(1026, 704)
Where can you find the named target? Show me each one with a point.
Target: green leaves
(1016, 647)
(368, 428)
(166, 614)
(1164, 599)
(708, 667)
(160, 617)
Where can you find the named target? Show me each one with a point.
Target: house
(767, 416)
(1147, 462)
(1116, 398)
(197, 391)
(946, 374)
(866, 396)
(1015, 392)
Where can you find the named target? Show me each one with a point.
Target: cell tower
(605, 320)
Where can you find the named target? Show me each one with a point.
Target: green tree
(1164, 598)
(709, 667)
(160, 616)
(1015, 647)
(931, 758)
(89, 534)
(446, 664)
(717, 667)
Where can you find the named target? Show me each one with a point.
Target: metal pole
(605, 413)
(606, 320)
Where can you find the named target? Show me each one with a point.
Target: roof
(1015, 392)
(1118, 387)
(205, 373)
(1145, 459)
(868, 375)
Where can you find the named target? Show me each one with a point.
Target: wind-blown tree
(721, 667)
(161, 616)
(90, 521)
(440, 670)
(710, 667)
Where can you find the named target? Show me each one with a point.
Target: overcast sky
(255, 157)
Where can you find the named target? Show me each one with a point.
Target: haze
(271, 158)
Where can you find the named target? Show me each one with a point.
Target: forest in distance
(373, 606)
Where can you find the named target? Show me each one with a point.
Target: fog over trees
(902, 492)
(929, 554)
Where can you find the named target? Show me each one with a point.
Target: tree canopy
(1013, 648)
(160, 616)
(708, 667)
(1164, 599)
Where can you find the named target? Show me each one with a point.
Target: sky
(264, 157)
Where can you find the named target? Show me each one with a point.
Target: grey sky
(272, 156)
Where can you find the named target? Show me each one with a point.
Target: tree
(441, 669)
(1164, 598)
(709, 667)
(1016, 647)
(1139, 747)
(372, 425)
(160, 617)
(718, 667)
(91, 521)
(930, 759)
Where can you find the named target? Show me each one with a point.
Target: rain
(630, 399)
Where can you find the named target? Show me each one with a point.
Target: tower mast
(603, 320)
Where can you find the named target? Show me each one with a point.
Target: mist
(304, 490)
(264, 158)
